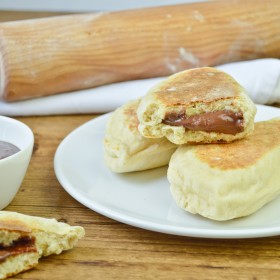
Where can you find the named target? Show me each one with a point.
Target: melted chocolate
(222, 121)
(7, 149)
(24, 244)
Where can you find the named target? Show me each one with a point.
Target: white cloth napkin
(261, 79)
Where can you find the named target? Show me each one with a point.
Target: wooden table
(111, 250)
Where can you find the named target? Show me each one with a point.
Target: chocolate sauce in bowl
(7, 149)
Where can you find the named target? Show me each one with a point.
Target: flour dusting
(171, 66)
(188, 56)
(198, 16)
(172, 89)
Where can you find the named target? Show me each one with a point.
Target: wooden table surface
(112, 250)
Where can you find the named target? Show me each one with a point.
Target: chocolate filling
(24, 244)
(222, 121)
(7, 149)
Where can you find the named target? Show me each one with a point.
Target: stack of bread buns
(201, 122)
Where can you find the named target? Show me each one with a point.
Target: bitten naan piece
(24, 239)
(202, 105)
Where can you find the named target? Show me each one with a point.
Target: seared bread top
(13, 221)
(130, 115)
(13, 225)
(242, 153)
(204, 84)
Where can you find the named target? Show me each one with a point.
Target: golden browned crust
(130, 113)
(204, 84)
(242, 153)
(14, 225)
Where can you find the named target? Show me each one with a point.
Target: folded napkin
(261, 79)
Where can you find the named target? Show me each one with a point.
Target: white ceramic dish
(142, 199)
(13, 168)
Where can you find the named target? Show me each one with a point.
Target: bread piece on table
(226, 181)
(126, 149)
(24, 239)
(202, 105)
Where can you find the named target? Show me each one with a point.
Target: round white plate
(143, 199)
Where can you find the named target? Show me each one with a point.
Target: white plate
(143, 199)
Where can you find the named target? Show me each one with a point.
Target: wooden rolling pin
(65, 53)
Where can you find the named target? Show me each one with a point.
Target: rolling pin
(65, 53)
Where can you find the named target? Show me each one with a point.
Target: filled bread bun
(126, 149)
(24, 239)
(226, 181)
(202, 105)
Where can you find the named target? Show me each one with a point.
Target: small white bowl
(13, 168)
